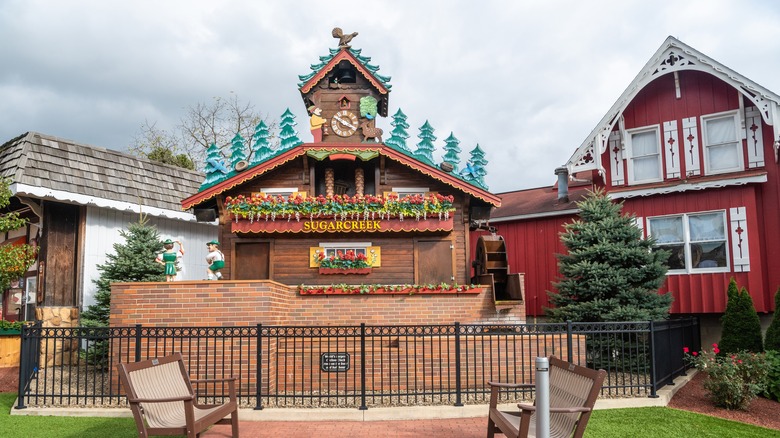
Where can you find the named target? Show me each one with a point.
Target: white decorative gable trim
(739, 239)
(684, 187)
(672, 56)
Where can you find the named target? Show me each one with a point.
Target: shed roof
(45, 167)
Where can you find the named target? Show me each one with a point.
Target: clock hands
(344, 122)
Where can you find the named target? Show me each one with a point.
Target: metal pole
(542, 397)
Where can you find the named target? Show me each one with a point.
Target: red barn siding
(531, 248)
(706, 293)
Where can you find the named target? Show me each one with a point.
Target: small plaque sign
(334, 362)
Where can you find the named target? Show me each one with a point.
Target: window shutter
(616, 159)
(315, 251)
(739, 239)
(755, 138)
(691, 147)
(374, 256)
(640, 223)
(671, 146)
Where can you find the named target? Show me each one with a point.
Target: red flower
(685, 349)
(695, 353)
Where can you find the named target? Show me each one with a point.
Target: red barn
(690, 148)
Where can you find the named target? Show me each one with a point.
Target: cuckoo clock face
(344, 123)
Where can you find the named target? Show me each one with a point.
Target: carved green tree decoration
(475, 169)
(215, 167)
(262, 146)
(368, 107)
(237, 150)
(399, 135)
(425, 147)
(452, 152)
(14, 259)
(288, 136)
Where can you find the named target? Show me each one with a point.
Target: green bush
(772, 341)
(733, 380)
(10, 325)
(741, 326)
(773, 376)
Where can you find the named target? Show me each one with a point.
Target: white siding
(102, 232)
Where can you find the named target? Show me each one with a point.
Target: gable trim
(761, 178)
(344, 54)
(673, 56)
(23, 190)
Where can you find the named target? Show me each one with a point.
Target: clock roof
(353, 56)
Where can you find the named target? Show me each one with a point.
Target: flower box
(336, 271)
(10, 332)
(340, 226)
(386, 290)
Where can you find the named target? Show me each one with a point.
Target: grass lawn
(649, 422)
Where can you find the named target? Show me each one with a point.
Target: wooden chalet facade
(77, 198)
(282, 211)
(691, 149)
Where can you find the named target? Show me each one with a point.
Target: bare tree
(215, 122)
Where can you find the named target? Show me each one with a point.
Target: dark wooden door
(252, 261)
(59, 252)
(434, 261)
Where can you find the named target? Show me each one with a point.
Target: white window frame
(407, 191)
(279, 191)
(631, 155)
(331, 247)
(689, 269)
(706, 143)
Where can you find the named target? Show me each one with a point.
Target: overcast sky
(526, 80)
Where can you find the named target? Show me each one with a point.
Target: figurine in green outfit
(215, 259)
(169, 257)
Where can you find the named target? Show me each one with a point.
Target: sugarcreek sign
(341, 226)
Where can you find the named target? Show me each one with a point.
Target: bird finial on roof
(343, 39)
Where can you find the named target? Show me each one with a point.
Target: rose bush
(734, 380)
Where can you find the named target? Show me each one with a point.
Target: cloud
(527, 81)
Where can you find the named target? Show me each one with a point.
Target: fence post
(23, 366)
(259, 372)
(653, 378)
(569, 342)
(458, 401)
(363, 406)
(138, 342)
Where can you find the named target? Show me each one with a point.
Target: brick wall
(247, 303)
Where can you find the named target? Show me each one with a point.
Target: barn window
(644, 156)
(697, 241)
(722, 144)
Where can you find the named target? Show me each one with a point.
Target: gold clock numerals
(344, 123)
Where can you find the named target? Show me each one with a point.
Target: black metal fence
(352, 366)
